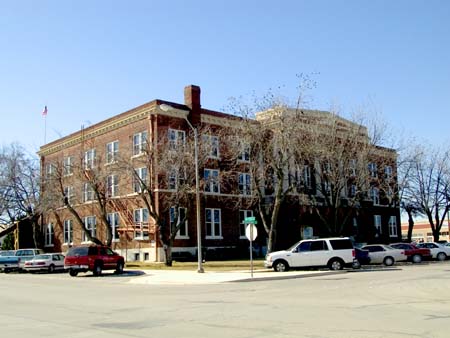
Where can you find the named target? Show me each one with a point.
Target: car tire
(281, 266)
(335, 264)
(356, 264)
(97, 269)
(416, 258)
(388, 261)
(73, 272)
(119, 268)
(51, 268)
(441, 256)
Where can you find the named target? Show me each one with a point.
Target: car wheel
(119, 268)
(416, 258)
(97, 269)
(51, 268)
(281, 266)
(356, 264)
(388, 261)
(73, 272)
(335, 264)
(441, 256)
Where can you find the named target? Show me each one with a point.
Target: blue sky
(90, 60)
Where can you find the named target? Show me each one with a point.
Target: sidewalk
(193, 277)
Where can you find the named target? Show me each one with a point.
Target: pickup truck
(95, 258)
(10, 260)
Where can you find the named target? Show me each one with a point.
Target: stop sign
(251, 232)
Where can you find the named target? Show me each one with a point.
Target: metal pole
(197, 202)
(251, 249)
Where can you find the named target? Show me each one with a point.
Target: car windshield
(42, 257)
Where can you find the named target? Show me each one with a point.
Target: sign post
(251, 232)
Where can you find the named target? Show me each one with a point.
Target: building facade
(102, 155)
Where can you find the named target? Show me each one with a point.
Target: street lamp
(166, 108)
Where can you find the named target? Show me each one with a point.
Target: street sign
(250, 220)
(251, 232)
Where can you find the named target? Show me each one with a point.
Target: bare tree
(19, 188)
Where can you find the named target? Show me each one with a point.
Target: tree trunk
(410, 225)
(168, 252)
(272, 240)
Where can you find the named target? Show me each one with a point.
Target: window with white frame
(139, 179)
(141, 223)
(183, 230)
(88, 192)
(377, 224)
(139, 143)
(390, 193)
(326, 187)
(68, 231)
(112, 152)
(89, 159)
(352, 167)
(213, 223)
(211, 177)
(90, 222)
(388, 172)
(352, 190)
(212, 144)
(245, 187)
(373, 170)
(49, 232)
(112, 185)
(68, 166)
(375, 195)
(307, 176)
(244, 155)
(50, 169)
(176, 178)
(243, 214)
(393, 226)
(68, 193)
(113, 221)
(177, 139)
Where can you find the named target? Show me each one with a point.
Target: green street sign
(250, 220)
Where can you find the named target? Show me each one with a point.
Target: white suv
(335, 253)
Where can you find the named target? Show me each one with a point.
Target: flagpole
(45, 129)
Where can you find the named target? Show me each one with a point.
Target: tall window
(373, 170)
(177, 138)
(112, 152)
(375, 195)
(388, 172)
(212, 144)
(352, 190)
(243, 214)
(68, 231)
(244, 155)
(139, 143)
(140, 181)
(49, 234)
(352, 168)
(50, 169)
(68, 193)
(141, 223)
(245, 184)
(88, 192)
(307, 176)
(67, 166)
(91, 225)
(183, 231)
(89, 159)
(377, 224)
(112, 183)
(176, 179)
(211, 177)
(393, 226)
(213, 223)
(113, 221)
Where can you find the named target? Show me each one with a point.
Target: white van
(334, 253)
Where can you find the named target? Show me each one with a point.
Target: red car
(95, 258)
(414, 254)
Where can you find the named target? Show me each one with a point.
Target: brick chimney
(192, 100)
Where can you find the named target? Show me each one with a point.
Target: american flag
(44, 112)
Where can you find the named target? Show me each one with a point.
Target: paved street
(408, 301)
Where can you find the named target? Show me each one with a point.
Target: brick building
(134, 232)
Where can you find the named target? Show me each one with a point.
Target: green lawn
(237, 265)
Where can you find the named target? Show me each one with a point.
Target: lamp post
(166, 107)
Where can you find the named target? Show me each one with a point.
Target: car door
(376, 253)
(319, 253)
(301, 256)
